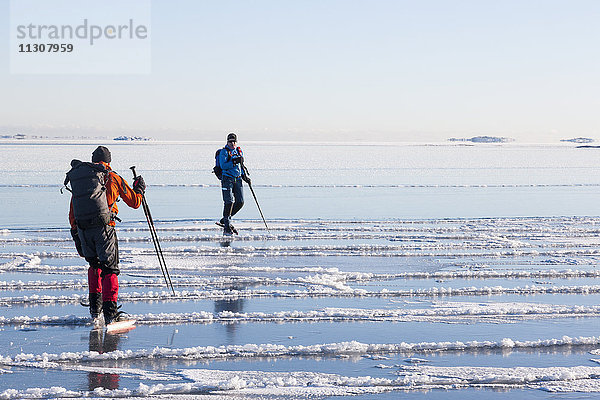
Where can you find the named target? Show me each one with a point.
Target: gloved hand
(237, 160)
(139, 186)
(247, 179)
(75, 236)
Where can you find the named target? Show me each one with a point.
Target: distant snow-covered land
(132, 138)
(578, 140)
(483, 139)
(22, 136)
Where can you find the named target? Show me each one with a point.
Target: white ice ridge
(571, 255)
(511, 224)
(362, 250)
(313, 291)
(249, 384)
(342, 185)
(333, 278)
(21, 262)
(204, 282)
(552, 379)
(442, 312)
(270, 350)
(447, 312)
(318, 384)
(411, 239)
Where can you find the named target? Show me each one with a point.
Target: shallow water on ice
(449, 256)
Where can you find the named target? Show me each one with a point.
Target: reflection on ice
(101, 343)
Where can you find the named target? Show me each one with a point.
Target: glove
(139, 186)
(77, 240)
(237, 160)
(247, 179)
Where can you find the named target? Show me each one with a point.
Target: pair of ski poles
(157, 248)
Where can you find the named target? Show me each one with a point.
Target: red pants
(107, 285)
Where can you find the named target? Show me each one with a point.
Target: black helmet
(232, 136)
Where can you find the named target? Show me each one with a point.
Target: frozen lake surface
(441, 271)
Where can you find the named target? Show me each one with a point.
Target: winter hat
(101, 154)
(232, 136)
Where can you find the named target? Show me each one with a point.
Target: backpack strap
(113, 215)
(107, 177)
(228, 152)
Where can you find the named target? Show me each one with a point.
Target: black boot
(95, 304)
(231, 227)
(112, 313)
(227, 219)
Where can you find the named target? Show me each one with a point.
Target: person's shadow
(103, 343)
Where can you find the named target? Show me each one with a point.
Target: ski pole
(259, 210)
(154, 235)
(155, 241)
(255, 200)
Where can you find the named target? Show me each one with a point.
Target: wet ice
(438, 257)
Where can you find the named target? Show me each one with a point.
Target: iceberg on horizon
(483, 139)
(132, 138)
(578, 140)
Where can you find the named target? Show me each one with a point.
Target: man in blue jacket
(231, 159)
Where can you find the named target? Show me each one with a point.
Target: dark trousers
(233, 198)
(101, 250)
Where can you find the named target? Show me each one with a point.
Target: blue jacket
(225, 162)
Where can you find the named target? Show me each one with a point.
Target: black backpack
(88, 186)
(217, 169)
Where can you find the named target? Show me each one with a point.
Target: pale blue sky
(369, 70)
